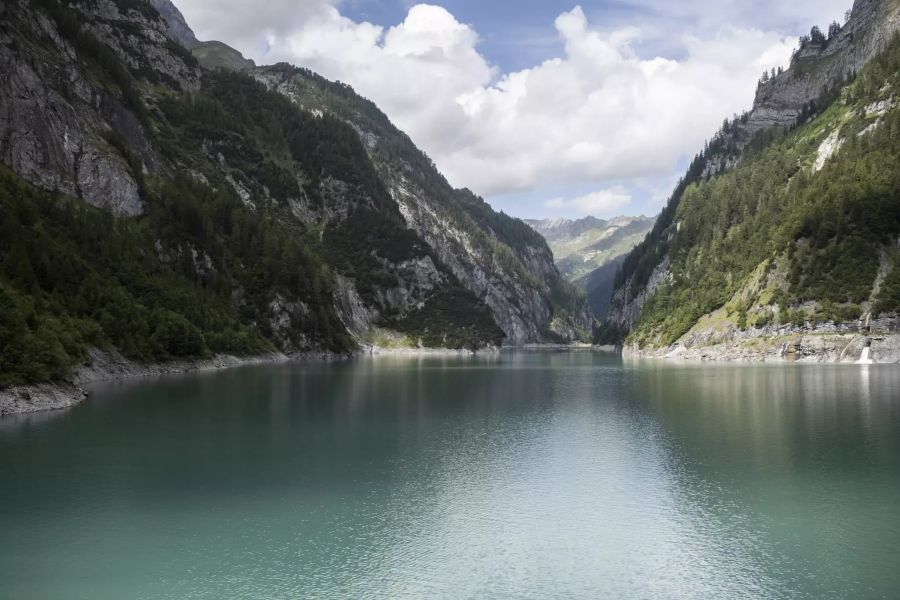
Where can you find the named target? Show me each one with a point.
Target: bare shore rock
(805, 347)
(109, 366)
(37, 398)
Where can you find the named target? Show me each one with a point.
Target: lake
(522, 475)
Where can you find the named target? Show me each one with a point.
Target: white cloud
(596, 114)
(763, 14)
(609, 201)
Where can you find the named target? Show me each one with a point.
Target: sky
(546, 108)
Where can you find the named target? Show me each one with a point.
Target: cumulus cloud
(763, 14)
(596, 114)
(607, 201)
(249, 25)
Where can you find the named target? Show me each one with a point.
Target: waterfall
(864, 357)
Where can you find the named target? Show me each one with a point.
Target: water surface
(528, 475)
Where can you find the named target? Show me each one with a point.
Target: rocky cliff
(56, 119)
(820, 65)
(179, 30)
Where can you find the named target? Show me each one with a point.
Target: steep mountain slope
(173, 211)
(523, 289)
(787, 224)
(588, 251)
(498, 258)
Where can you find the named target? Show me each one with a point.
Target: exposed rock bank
(834, 346)
(108, 367)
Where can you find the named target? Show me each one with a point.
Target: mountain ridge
(589, 251)
(281, 226)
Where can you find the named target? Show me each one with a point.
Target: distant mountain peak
(554, 229)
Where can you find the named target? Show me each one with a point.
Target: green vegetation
(265, 140)
(74, 277)
(826, 228)
(889, 296)
(453, 318)
(216, 55)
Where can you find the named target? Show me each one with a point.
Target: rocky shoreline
(111, 366)
(414, 351)
(781, 346)
(784, 347)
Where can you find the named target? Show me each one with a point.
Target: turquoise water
(528, 475)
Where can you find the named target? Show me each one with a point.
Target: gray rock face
(55, 119)
(628, 303)
(141, 40)
(478, 271)
(351, 308)
(817, 68)
(56, 142)
(179, 30)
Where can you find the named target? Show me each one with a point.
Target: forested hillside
(803, 231)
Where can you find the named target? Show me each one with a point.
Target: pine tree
(816, 36)
(833, 30)
(17, 265)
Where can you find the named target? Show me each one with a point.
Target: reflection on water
(520, 475)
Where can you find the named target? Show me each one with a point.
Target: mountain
(588, 251)
(788, 223)
(158, 209)
(179, 30)
(217, 55)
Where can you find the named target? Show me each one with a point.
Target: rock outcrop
(825, 343)
(179, 30)
(819, 66)
(59, 123)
